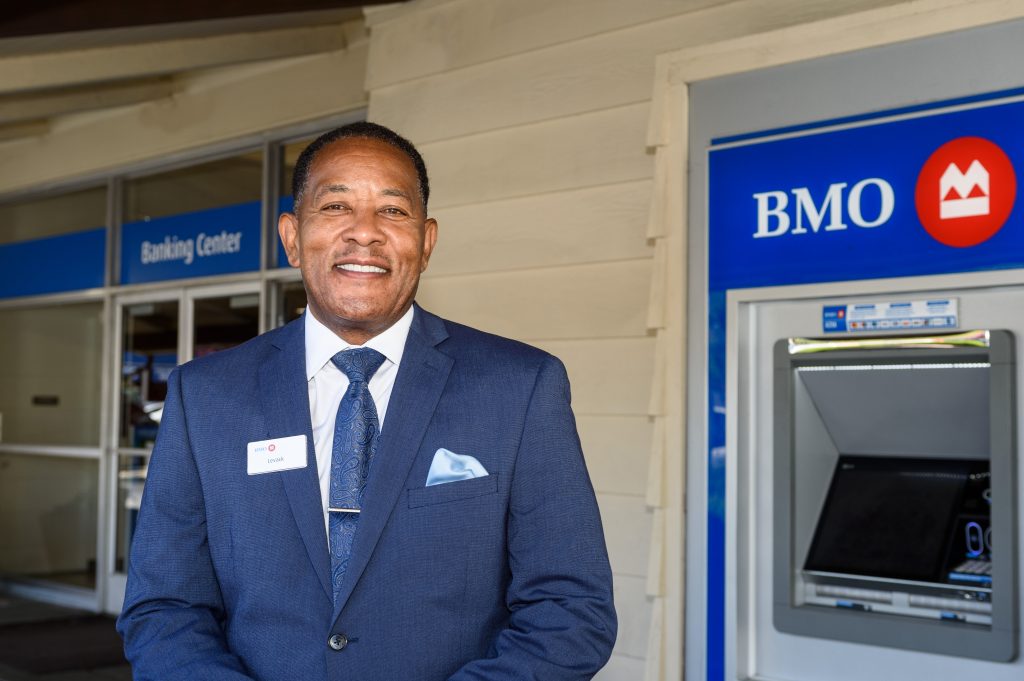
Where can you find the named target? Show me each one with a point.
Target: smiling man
(370, 492)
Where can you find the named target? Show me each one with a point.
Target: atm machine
(894, 465)
(877, 498)
(858, 323)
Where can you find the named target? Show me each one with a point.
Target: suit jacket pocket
(452, 491)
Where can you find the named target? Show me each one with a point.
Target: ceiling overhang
(63, 57)
(50, 17)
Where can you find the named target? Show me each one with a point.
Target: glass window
(200, 187)
(199, 221)
(149, 333)
(48, 518)
(37, 233)
(50, 366)
(289, 155)
(53, 215)
(224, 322)
(292, 302)
(131, 480)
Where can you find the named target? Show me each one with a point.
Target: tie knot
(359, 364)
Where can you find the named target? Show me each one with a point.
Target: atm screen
(924, 520)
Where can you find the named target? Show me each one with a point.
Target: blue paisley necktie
(355, 439)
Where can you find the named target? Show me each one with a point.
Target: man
(419, 513)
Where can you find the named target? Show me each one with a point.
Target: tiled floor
(15, 610)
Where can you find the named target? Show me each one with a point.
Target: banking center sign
(932, 190)
(223, 240)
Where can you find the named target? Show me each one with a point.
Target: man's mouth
(354, 267)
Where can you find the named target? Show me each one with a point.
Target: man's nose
(364, 229)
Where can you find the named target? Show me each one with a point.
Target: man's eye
(334, 206)
(391, 210)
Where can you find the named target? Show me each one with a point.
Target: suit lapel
(284, 396)
(418, 387)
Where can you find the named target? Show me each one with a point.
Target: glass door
(222, 318)
(147, 347)
(155, 333)
(51, 359)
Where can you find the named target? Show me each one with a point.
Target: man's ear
(288, 229)
(429, 240)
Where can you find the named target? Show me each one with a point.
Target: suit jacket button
(337, 642)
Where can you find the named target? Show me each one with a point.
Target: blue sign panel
(932, 191)
(70, 262)
(222, 240)
(921, 196)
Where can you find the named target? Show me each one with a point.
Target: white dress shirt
(327, 384)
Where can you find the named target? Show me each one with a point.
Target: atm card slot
(853, 594)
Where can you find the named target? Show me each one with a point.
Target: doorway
(154, 333)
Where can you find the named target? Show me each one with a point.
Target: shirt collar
(322, 343)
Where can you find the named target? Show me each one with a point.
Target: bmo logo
(965, 192)
(868, 203)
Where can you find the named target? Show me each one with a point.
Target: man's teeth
(352, 267)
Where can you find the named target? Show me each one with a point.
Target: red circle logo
(271, 447)
(965, 191)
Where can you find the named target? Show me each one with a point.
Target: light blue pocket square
(448, 466)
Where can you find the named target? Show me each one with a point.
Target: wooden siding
(533, 119)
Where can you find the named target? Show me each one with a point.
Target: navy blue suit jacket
(493, 578)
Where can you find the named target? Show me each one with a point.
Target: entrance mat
(84, 642)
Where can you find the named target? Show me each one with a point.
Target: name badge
(279, 454)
